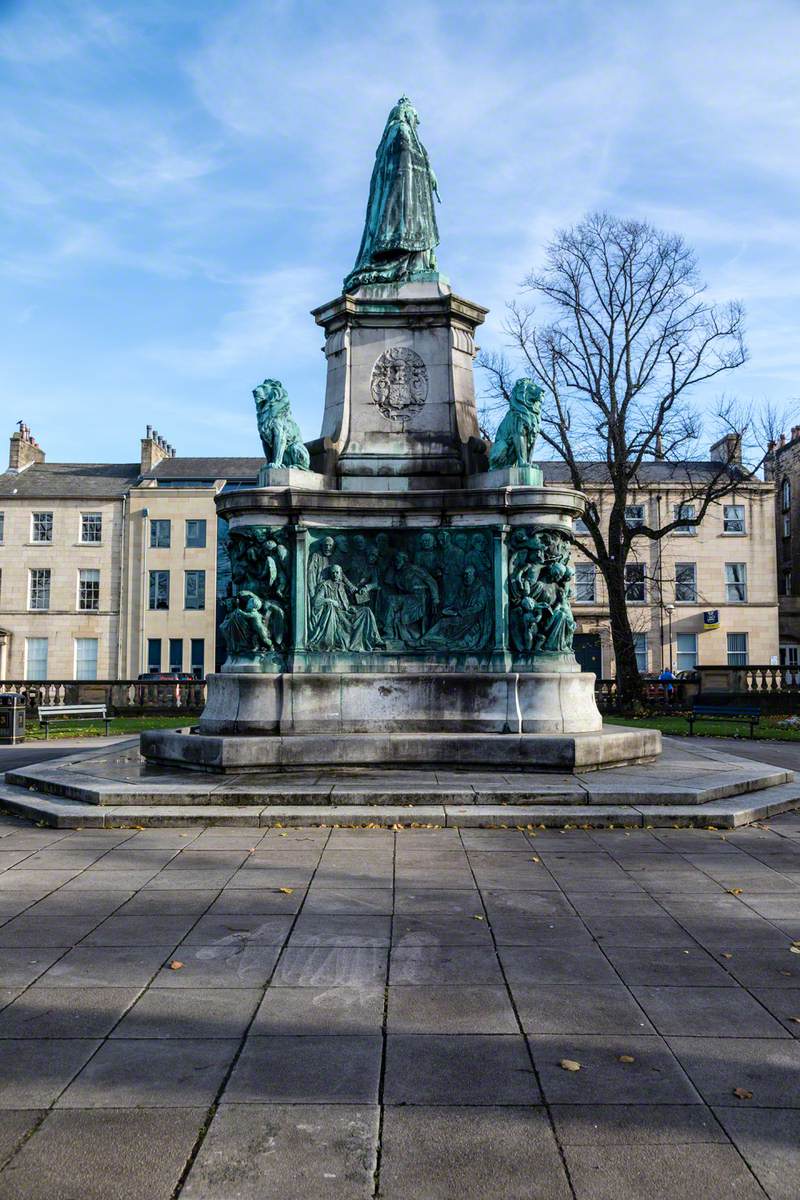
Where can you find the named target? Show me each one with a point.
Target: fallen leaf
(478, 917)
(794, 949)
(626, 1058)
(175, 965)
(283, 835)
(742, 1094)
(795, 1020)
(286, 891)
(735, 891)
(788, 974)
(535, 859)
(569, 1064)
(727, 955)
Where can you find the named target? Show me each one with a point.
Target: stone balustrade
(123, 697)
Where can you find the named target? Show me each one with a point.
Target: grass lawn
(64, 728)
(678, 725)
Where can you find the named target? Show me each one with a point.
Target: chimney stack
(154, 449)
(727, 450)
(24, 450)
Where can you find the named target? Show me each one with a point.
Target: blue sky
(181, 182)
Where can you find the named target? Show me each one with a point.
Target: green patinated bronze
(400, 590)
(280, 433)
(400, 231)
(396, 592)
(255, 624)
(540, 588)
(517, 433)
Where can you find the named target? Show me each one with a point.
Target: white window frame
(786, 495)
(43, 586)
(686, 511)
(195, 521)
(589, 572)
(152, 592)
(635, 583)
(735, 589)
(786, 581)
(82, 660)
(580, 526)
(731, 520)
(641, 650)
(44, 519)
(88, 521)
(735, 653)
(635, 522)
(199, 577)
(156, 526)
(787, 525)
(680, 599)
(684, 654)
(88, 601)
(39, 641)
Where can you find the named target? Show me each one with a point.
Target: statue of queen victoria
(400, 232)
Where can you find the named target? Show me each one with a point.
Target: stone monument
(400, 592)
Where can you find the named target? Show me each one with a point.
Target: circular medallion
(399, 384)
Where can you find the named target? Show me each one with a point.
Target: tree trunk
(629, 681)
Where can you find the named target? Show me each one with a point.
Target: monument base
(546, 721)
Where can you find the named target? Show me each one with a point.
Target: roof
(64, 481)
(206, 468)
(690, 471)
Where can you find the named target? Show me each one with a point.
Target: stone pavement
(232, 1014)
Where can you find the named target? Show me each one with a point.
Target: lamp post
(670, 610)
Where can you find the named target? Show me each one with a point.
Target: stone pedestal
(400, 396)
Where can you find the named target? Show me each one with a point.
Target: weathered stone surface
(295, 1151)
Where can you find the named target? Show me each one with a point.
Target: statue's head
(404, 111)
(336, 572)
(427, 541)
(271, 397)
(359, 542)
(469, 575)
(526, 394)
(400, 559)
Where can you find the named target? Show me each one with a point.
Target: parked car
(166, 677)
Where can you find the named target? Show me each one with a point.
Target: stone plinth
(502, 477)
(400, 396)
(469, 702)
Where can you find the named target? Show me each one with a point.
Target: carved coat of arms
(399, 384)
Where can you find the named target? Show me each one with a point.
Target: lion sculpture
(516, 436)
(280, 433)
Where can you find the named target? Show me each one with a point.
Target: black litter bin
(12, 718)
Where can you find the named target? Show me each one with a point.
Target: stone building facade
(725, 565)
(111, 570)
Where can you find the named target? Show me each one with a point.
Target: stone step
(60, 812)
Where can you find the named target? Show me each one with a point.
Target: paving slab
(430, 1153)
(441, 1008)
(718, 1012)
(295, 1151)
(654, 1077)
(197, 1013)
(303, 1011)
(669, 1172)
(342, 1069)
(164, 1073)
(769, 1068)
(769, 1141)
(33, 1072)
(634, 1125)
(43, 1012)
(578, 1008)
(123, 1154)
(464, 1069)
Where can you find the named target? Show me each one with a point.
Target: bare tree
(628, 333)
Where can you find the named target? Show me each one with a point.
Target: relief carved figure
(256, 621)
(540, 589)
(280, 433)
(400, 591)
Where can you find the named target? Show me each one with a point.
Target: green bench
(722, 711)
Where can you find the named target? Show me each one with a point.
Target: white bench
(77, 712)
